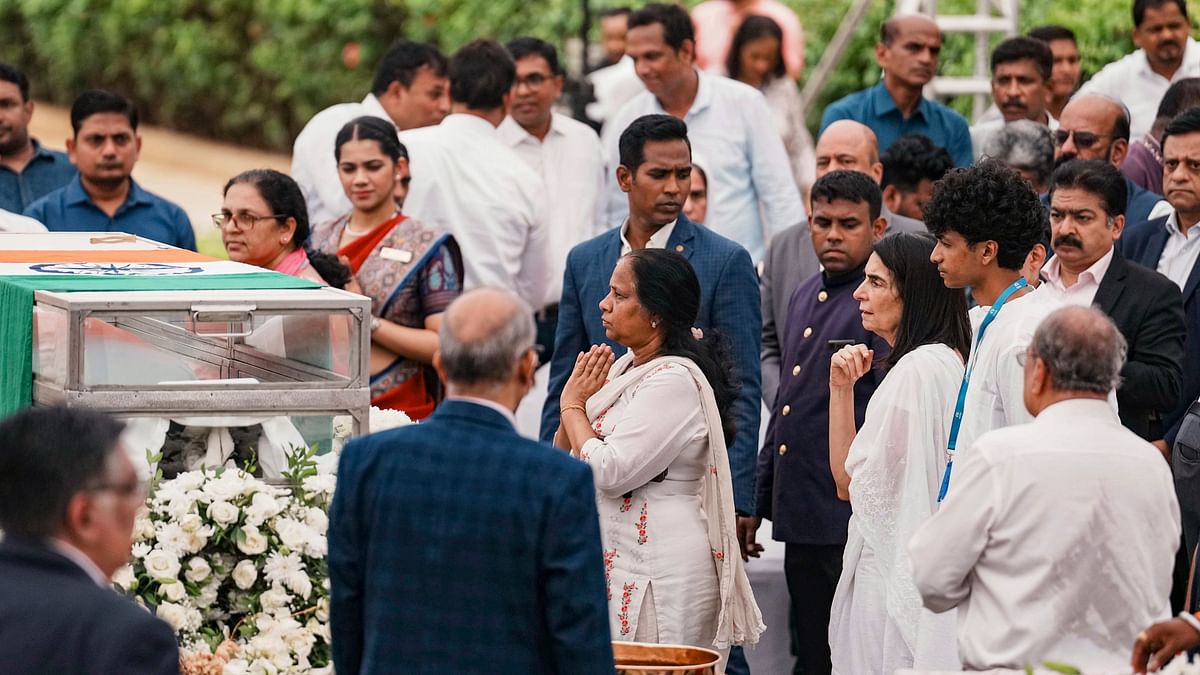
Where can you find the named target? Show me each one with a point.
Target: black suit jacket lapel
(1112, 284)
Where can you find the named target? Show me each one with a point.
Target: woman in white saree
(891, 468)
(654, 427)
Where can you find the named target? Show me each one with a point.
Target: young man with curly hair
(987, 219)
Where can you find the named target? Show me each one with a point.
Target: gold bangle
(573, 406)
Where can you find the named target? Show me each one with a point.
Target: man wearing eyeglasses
(1097, 127)
(567, 155)
(68, 499)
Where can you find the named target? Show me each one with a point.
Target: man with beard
(28, 170)
(1097, 127)
(104, 197)
(1087, 198)
(907, 52)
(1021, 69)
(565, 153)
(1166, 53)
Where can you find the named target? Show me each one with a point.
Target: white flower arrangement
(237, 566)
(222, 556)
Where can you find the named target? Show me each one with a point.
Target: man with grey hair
(1058, 539)
(1028, 148)
(503, 530)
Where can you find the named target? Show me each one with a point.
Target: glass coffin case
(208, 378)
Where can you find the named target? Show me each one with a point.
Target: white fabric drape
(739, 620)
(877, 623)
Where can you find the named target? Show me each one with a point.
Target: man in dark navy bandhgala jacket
(456, 545)
(68, 499)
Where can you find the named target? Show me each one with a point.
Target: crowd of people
(981, 438)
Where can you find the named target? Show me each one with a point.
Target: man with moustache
(104, 197)
(1167, 53)
(1021, 71)
(907, 52)
(28, 169)
(1086, 201)
(1097, 127)
(565, 153)
(795, 489)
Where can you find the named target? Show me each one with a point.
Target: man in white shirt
(15, 222)
(1166, 53)
(751, 192)
(410, 90)
(1087, 198)
(987, 219)
(1058, 540)
(1021, 70)
(467, 181)
(567, 156)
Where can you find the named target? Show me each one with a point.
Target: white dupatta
(739, 621)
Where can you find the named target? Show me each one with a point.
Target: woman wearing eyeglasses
(410, 271)
(264, 222)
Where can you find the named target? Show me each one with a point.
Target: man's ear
(440, 367)
(624, 178)
(988, 251)
(892, 198)
(878, 228)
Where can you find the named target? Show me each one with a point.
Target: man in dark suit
(456, 545)
(1087, 201)
(790, 260)
(1168, 244)
(68, 499)
(655, 172)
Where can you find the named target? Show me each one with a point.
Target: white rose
(319, 629)
(189, 480)
(198, 570)
(191, 523)
(320, 484)
(175, 615)
(194, 542)
(162, 565)
(143, 528)
(300, 641)
(317, 547)
(236, 667)
(140, 550)
(292, 533)
(322, 612)
(253, 543)
(263, 506)
(173, 591)
(223, 513)
(317, 519)
(226, 487)
(124, 577)
(245, 574)
(274, 598)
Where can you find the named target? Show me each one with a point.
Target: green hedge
(253, 72)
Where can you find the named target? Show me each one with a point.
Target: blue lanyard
(952, 444)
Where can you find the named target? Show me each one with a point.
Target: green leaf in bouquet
(239, 535)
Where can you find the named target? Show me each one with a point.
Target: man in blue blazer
(456, 545)
(655, 172)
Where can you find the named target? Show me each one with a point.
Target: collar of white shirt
(372, 106)
(508, 414)
(1172, 225)
(1072, 410)
(657, 240)
(704, 94)
(467, 123)
(80, 559)
(1053, 272)
(514, 134)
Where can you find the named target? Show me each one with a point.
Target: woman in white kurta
(651, 427)
(891, 468)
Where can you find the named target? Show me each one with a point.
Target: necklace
(353, 232)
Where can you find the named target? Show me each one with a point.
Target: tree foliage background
(254, 72)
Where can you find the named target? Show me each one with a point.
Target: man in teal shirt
(908, 54)
(28, 169)
(104, 197)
